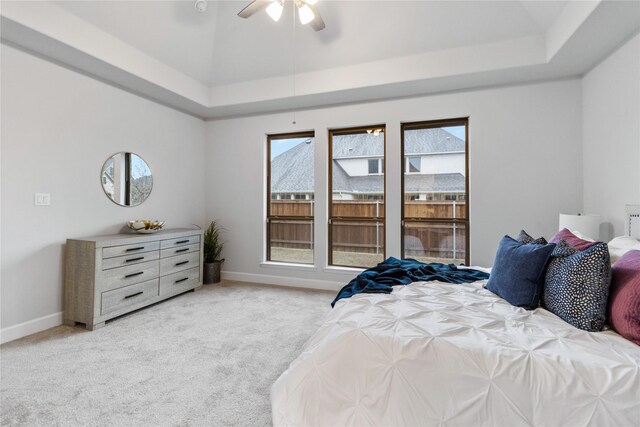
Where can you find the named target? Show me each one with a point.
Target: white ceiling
(217, 47)
(215, 64)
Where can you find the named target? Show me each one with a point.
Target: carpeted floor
(203, 358)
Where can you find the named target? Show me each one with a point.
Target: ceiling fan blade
(253, 7)
(317, 24)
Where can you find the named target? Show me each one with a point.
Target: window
(435, 212)
(413, 165)
(290, 187)
(356, 202)
(376, 166)
(373, 166)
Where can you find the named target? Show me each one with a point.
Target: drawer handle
(135, 249)
(182, 250)
(134, 274)
(134, 259)
(181, 263)
(181, 280)
(179, 242)
(134, 295)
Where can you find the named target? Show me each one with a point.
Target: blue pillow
(576, 287)
(518, 272)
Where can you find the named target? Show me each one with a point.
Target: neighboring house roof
(418, 141)
(436, 183)
(437, 140)
(414, 183)
(286, 174)
(288, 177)
(358, 145)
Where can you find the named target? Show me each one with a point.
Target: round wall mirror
(126, 179)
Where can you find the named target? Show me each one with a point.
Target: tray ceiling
(214, 64)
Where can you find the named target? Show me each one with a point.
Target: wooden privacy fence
(421, 240)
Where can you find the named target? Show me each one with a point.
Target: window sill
(288, 266)
(349, 270)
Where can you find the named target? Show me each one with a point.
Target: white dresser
(108, 276)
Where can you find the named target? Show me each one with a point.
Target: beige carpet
(203, 358)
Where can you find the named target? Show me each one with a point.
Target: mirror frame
(102, 170)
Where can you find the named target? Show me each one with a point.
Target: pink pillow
(624, 296)
(572, 240)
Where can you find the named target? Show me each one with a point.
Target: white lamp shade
(587, 225)
(305, 14)
(275, 10)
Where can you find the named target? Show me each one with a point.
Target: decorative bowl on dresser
(108, 276)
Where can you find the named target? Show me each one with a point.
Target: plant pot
(212, 272)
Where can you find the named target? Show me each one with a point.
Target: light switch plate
(42, 199)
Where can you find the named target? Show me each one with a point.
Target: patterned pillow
(525, 239)
(576, 286)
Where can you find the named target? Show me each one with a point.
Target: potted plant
(213, 245)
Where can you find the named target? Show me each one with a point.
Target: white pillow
(620, 246)
(581, 236)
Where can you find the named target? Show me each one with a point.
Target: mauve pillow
(624, 296)
(517, 274)
(572, 240)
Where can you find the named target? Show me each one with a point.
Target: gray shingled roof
(286, 174)
(288, 177)
(414, 183)
(416, 141)
(436, 183)
(358, 145)
(437, 140)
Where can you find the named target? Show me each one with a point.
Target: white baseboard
(294, 282)
(30, 327)
(42, 323)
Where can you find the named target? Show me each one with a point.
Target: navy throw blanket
(393, 271)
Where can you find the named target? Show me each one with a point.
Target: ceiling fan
(307, 11)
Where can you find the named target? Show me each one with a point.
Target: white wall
(611, 129)
(525, 168)
(58, 127)
(355, 167)
(442, 163)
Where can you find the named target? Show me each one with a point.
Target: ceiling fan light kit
(275, 10)
(307, 12)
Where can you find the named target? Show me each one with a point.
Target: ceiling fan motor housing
(200, 5)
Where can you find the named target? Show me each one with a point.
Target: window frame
(330, 217)
(269, 217)
(430, 124)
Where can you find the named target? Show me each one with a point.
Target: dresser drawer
(180, 241)
(132, 259)
(129, 297)
(179, 250)
(180, 282)
(123, 276)
(179, 263)
(135, 248)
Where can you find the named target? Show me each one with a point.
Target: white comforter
(432, 353)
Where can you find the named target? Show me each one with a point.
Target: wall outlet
(42, 199)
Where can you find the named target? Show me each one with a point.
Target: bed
(434, 353)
